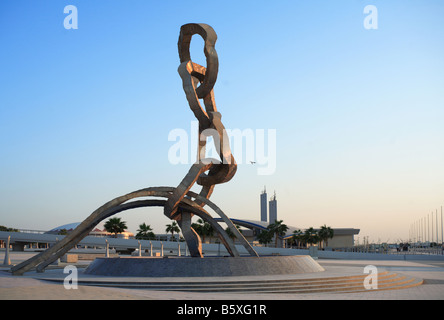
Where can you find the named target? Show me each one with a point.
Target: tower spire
(264, 205)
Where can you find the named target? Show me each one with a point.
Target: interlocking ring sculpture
(181, 203)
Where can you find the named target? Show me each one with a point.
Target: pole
(437, 240)
(107, 249)
(442, 234)
(7, 258)
(420, 230)
(428, 227)
(425, 230)
(432, 227)
(417, 232)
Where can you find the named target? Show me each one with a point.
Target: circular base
(202, 267)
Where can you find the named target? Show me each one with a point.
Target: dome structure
(68, 227)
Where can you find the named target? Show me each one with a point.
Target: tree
(310, 236)
(203, 229)
(63, 232)
(231, 233)
(208, 230)
(3, 228)
(197, 227)
(145, 232)
(325, 233)
(115, 225)
(173, 227)
(265, 237)
(278, 228)
(297, 237)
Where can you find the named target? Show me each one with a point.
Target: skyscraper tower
(273, 208)
(264, 205)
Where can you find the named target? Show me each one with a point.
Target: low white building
(96, 232)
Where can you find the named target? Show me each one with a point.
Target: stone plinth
(197, 267)
(70, 258)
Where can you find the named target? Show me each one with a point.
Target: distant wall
(341, 241)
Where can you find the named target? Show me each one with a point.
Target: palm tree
(325, 233)
(145, 232)
(278, 228)
(115, 225)
(197, 227)
(173, 227)
(208, 230)
(63, 232)
(203, 229)
(311, 236)
(265, 237)
(231, 233)
(297, 237)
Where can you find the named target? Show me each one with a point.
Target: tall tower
(273, 208)
(264, 205)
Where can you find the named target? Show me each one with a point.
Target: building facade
(264, 206)
(272, 207)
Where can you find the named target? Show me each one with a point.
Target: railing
(31, 231)
(381, 250)
(430, 251)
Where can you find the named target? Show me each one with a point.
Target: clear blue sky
(359, 114)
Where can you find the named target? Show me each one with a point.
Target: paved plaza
(30, 286)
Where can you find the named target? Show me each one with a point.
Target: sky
(357, 112)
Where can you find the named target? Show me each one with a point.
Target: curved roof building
(343, 237)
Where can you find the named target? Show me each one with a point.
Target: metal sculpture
(181, 203)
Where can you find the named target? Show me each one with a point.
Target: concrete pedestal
(201, 267)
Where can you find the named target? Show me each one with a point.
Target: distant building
(342, 238)
(264, 206)
(273, 209)
(68, 228)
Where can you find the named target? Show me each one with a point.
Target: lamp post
(106, 249)
(442, 234)
(431, 239)
(428, 228)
